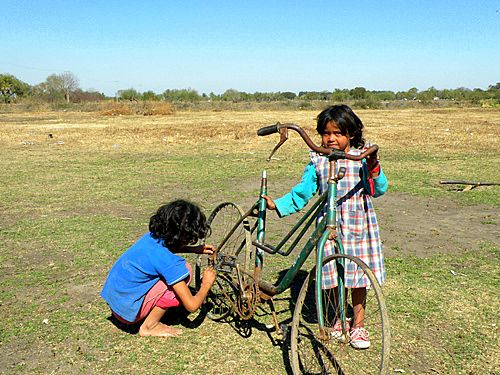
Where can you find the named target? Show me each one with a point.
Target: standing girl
(149, 277)
(341, 129)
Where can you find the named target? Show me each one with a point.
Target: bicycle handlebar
(331, 153)
(267, 130)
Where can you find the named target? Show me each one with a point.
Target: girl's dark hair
(178, 223)
(346, 120)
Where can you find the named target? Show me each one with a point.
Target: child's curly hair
(346, 120)
(178, 223)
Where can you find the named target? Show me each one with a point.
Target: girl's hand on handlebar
(269, 203)
(373, 164)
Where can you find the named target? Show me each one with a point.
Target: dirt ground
(426, 226)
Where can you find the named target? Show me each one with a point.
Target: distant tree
(12, 88)
(359, 93)
(461, 93)
(54, 82)
(411, 94)
(52, 88)
(339, 95)
(91, 95)
(494, 91)
(476, 95)
(150, 95)
(428, 94)
(231, 95)
(383, 95)
(214, 97)
(129, 94)
(262, 96)
(182, 95)
(315, 95)
(288, 95)
(60, 85)
(69, 83)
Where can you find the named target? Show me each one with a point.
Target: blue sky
(267, 45)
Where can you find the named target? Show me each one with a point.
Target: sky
(258, 45)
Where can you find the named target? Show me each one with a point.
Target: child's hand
(372, 160)
(269, 203)
(207, 249)
(209, 276)
(372, 163)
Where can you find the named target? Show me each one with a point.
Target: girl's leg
(358, 305)
(153, 327)
(157, 301)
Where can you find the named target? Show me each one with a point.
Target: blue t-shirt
(135, 273)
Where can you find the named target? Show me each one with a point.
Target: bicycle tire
(312, 353)
(235, 249)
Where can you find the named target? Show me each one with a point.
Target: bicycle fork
(330, 234)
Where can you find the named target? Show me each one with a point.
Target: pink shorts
(160, 295)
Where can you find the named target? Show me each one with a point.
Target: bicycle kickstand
(280, 329)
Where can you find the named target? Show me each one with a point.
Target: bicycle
(239, 288)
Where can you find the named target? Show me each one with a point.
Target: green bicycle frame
(261, 221)
(325, 230)
(310, 216)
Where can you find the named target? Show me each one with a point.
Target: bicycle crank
(246, 302)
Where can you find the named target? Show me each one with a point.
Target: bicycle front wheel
(317, 351)
(231, 236)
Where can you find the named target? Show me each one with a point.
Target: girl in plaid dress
(340, 128)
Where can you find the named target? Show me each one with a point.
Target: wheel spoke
(319, 352)
(230, 235)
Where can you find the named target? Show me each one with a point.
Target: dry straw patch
(436, 130)
(427, 131)
(145, 108)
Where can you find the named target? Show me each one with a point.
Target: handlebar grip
(267, 130)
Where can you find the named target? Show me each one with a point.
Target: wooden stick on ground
(471, 184)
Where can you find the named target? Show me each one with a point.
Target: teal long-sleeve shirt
(302, 193)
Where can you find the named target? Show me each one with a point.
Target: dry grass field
(78, 188)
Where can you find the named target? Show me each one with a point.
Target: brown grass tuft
(116, 109)
(149, 108)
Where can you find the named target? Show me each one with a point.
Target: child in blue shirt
(150, 277)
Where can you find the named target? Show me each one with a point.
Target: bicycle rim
(233, 244)
(316, 353)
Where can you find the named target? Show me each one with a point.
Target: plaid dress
(356, 222)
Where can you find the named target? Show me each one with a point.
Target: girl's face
(333, 138)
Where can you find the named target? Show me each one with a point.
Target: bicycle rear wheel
(231, 236)
(314, 352)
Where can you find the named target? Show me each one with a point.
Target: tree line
(65, 87)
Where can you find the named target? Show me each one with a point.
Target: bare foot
(160, 330)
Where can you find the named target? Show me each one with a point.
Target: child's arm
(192, 303)
(198, 249)
(299, 196)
